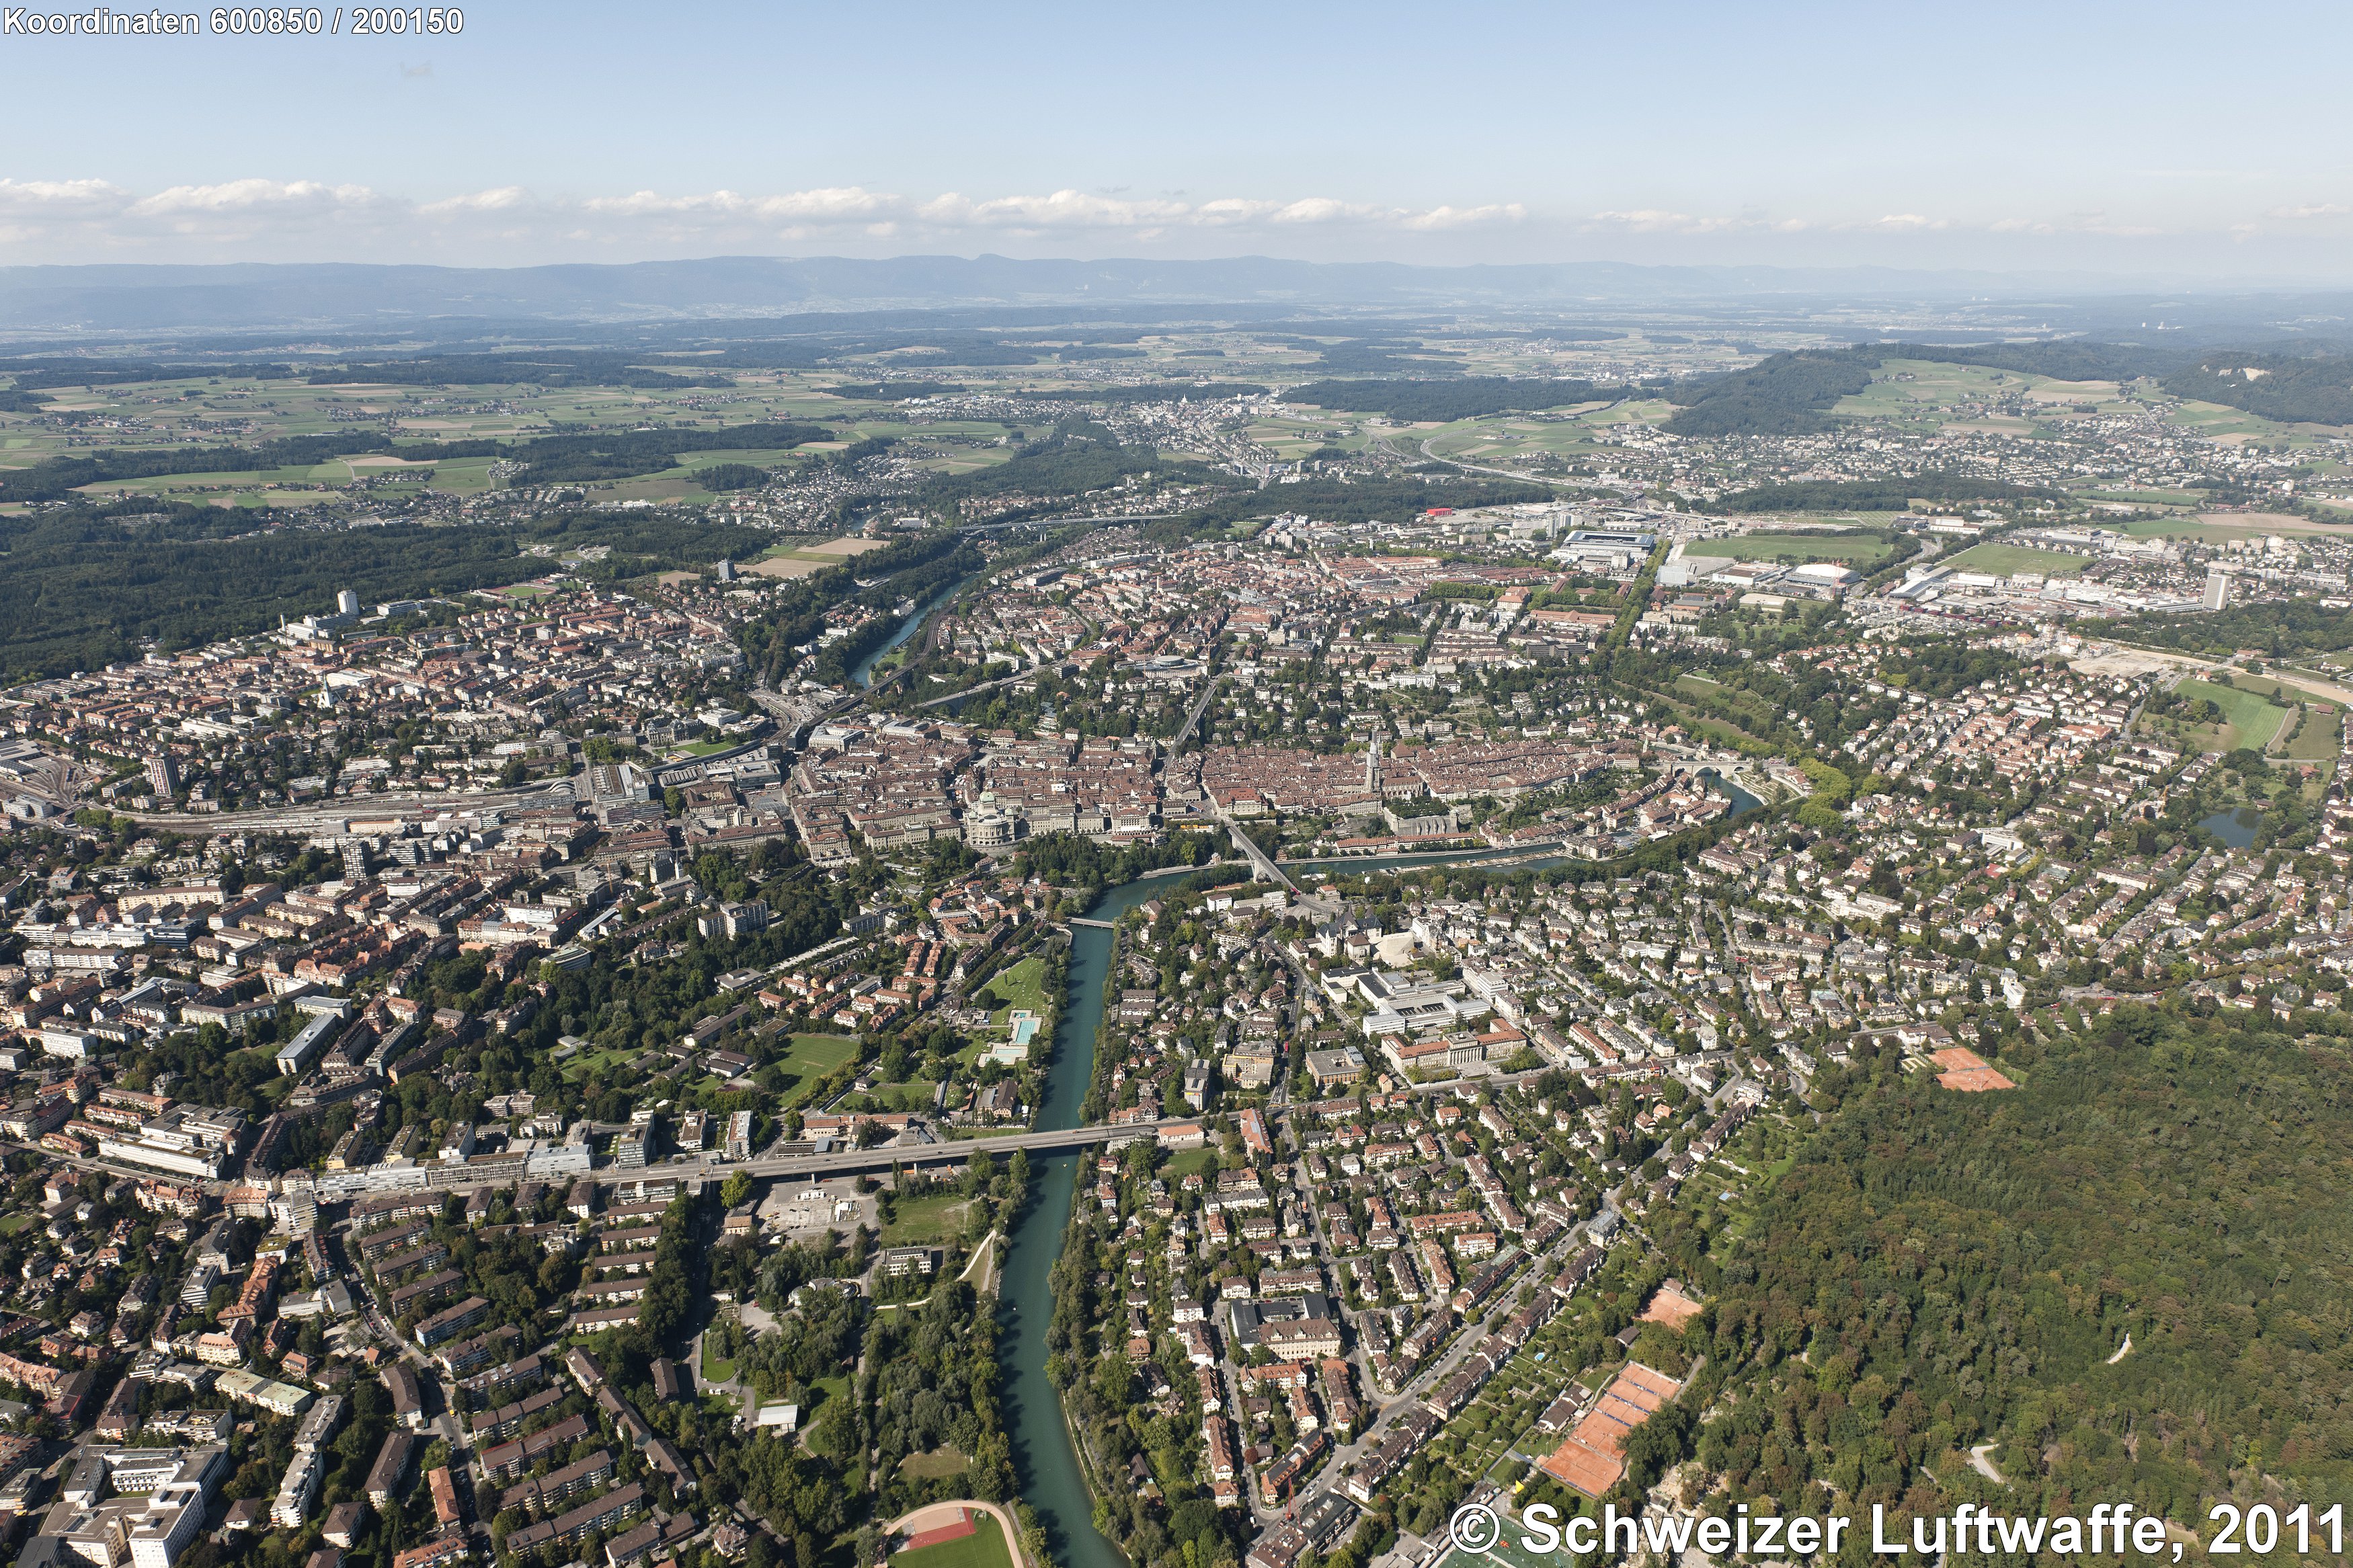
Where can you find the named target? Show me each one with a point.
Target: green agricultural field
(2004, 560)
(2316, 741)
(246, 411)
(1921, 392)
(2143, 498)
(1860, 551)
(2308, 723)
(2214, 421)
(2249, 718)
(2244, 525)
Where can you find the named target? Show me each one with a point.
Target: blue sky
(2147, 139)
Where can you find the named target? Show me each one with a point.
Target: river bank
(1053, 1479)
(861, 674)
(1052, 1482)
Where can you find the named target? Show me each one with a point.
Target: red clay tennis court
(1671, 1305)
(1966, 1071)
(1590, 1460)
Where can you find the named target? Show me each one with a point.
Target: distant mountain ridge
(250, 296)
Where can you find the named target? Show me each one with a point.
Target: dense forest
(2067, 361)
(34, 375)
(2281, 629)
(1781, 395)
(84, 594)
(1381, 355)
(2319, 388)
(721, 477)
(919, 583)
(539, 367)
(1941, 1271)
(86, 591)
(548, 459)
(1460, 397)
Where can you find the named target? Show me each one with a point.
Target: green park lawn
(927, 1220)
(811, 1058)
(937, 1465)
(1019, 986)
(1188, 1162)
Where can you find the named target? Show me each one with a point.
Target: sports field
(2005, 560)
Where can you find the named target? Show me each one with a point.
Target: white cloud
(1655, 220)
(1467, 218)
(247, 209)
(78, 218)
(61, 196)
(1325, 209)
(504, 198)
(1064, 209)
(251, 195)
(832, 203)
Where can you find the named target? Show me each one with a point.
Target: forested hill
(88, 588)
(1782, 396)
(548, 459)
(1792, 393)
(2317, 389)
(1941, 1271)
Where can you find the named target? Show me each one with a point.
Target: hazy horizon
(2135, 146)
